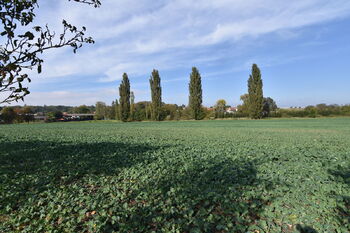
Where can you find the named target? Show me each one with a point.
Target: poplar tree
(124, 100)
(255, 94)
(148, 111)
(117, 110)
(132, 106)
(156, 94)
(195, 98)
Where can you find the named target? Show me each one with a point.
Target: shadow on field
(305, 229)
(28, 168)
(206, 195)
(181, 193)
(342, 175)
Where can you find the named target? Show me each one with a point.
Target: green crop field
(287, 175)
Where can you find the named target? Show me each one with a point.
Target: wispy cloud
(131, 30)
(71, 98)
(136, 36)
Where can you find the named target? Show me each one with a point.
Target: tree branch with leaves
(21, 51)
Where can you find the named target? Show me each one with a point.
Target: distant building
(40, 116)
(231, 110)
(78, 117)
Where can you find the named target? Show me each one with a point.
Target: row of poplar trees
(125, 108)
(126, 101)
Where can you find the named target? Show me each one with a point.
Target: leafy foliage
(111, 111)
(81, 109)
(8, 115)
(24, 43)
(195, 99)
(124, 101)
(27, 114)
(209, 176)
(255, 93)
(220, 107)
(156, 92)
(101, 110)
(132, 106)
(117, 110)
(268, 106)
(54, 116)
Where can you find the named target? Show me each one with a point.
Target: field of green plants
(286, 175)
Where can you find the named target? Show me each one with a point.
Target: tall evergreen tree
(124, 101)
(148, 111)
(117, 110)
(255, 94)
(195, 98)
(132, 106)
(156, 93)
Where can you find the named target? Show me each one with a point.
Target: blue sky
(301, 46)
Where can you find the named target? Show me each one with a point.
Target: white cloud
(79, 97)
(136, 36)
(70, 98)
(128, 31)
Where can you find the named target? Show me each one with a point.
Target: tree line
(127, 110)
(20, 114)
(22, 49)
(254, 105)
(57, 108)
